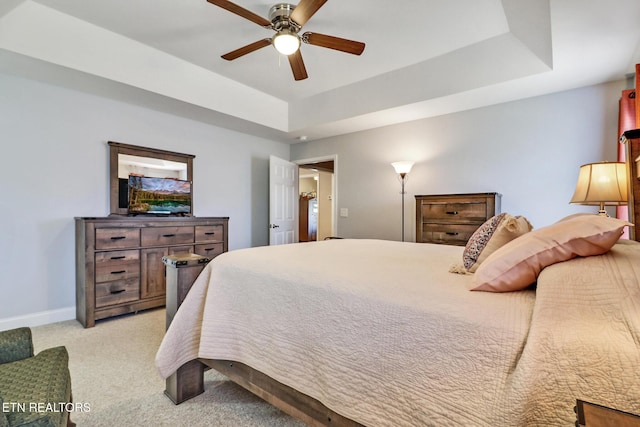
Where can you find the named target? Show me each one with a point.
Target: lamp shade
(403, 167)
(603, 183)
(286, 42)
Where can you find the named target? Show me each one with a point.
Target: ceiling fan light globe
(286, 42)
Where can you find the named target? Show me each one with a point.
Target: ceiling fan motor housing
(279, 16)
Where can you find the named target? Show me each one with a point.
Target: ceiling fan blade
(240, 11)
(235, 54)
(332, 42)
(297, 66)
(305, 10)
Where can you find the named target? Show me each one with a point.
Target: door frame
(334, 189)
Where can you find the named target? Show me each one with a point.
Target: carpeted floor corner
(114, 376)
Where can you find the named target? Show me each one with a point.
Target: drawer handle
(119, 272)
(208, 249)
(118, 291)
(452, 233)
(118, 257)
(118, 237)
(168, 235)
(210, 233)
(452, 212)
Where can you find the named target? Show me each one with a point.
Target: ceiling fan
(287, 20)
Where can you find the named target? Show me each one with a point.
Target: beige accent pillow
(574, 216)
(494, 233)
(517, 264)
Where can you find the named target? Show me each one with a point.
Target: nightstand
(592, 415)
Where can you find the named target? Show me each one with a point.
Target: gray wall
(55, 167)
(529, 151)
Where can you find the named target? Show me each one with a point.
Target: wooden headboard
(633, 153)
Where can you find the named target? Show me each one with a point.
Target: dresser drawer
(115, 238)
(450, 234)
(117, 265)
(117, 257)
(117, 292)
(209, 233)
(455, 212)
(211, 250)
(160, 236)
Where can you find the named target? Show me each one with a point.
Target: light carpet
(114, 376)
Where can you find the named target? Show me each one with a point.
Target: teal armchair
(34, 389)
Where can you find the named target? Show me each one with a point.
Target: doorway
(317, 189)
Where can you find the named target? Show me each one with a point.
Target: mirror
(127, 159)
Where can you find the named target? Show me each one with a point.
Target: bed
(381, 333)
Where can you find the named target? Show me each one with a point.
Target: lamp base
(602, 212)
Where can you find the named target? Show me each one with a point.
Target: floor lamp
(402, 169)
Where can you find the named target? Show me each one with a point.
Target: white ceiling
(422, 58)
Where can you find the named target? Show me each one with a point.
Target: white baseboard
(37, 319)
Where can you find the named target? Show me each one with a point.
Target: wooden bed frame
(188, 380)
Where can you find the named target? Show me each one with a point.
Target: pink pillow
(517, 264)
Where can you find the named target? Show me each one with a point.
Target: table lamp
(600, 184)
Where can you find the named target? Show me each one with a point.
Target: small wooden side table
(592, 415)
(182, 271)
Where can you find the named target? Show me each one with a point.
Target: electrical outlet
(344, 212)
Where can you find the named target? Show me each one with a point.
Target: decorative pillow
(517, 264)
(573, 216)
(491, 235)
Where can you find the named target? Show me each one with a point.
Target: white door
(283, 201)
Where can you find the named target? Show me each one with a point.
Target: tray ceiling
(423, 58)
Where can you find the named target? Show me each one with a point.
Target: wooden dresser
(119, 266)
(452, 218)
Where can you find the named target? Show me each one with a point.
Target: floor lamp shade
(402, 168)
(600, 184)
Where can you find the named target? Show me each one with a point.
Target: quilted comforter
(383, 334)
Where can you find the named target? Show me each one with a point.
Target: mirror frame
(117, 148)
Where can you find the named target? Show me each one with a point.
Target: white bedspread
(584, 340)
(383, 334)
